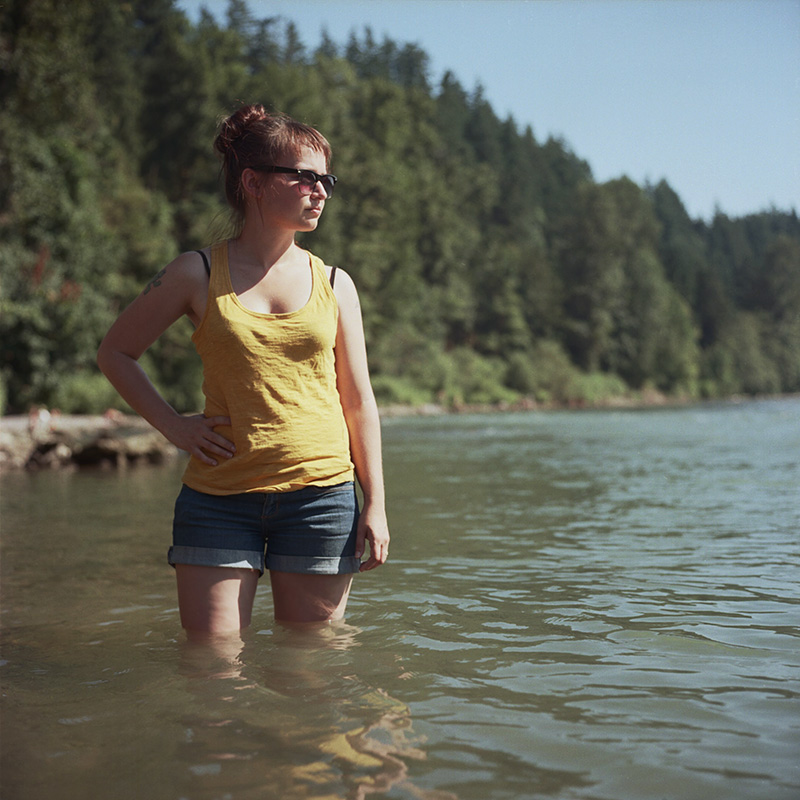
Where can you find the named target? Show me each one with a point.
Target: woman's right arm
(178, 289)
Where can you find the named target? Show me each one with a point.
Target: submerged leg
(309, 598)
(215, 599)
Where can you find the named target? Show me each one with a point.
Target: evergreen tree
(489, 265)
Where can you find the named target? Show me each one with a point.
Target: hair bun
(237, 124)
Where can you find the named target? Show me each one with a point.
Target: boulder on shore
(43, 440)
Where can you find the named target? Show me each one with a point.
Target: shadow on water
(286, 711)
(111, 709)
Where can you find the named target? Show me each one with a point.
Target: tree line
(491, 265)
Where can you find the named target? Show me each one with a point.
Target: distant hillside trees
(490, 264)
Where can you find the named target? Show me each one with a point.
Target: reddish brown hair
(251, 136)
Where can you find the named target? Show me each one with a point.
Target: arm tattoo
(155, 282)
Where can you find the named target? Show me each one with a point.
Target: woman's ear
(252, 183)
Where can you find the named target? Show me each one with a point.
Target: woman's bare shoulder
(185, 273)
(346, 294)
(340, 278)
(190, 265)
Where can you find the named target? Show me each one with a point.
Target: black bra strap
(208, 266)
(205, 262)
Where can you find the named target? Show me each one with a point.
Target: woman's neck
(259, 247)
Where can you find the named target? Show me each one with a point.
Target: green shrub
(596, 388)
(86, 393)
(545, 373)
(391, 390)
(476, 379)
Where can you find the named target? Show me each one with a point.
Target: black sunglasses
(308, 178)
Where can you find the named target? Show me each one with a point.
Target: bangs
(292, 137)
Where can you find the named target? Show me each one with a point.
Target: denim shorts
(311, 530)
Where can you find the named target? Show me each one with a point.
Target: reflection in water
(297, 709)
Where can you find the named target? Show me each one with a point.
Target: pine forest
(492, 267)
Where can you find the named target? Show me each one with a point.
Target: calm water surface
(594, 605)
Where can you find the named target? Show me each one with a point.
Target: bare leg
(309, 598)
(215, 599)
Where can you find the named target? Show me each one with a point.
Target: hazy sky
(704, 93)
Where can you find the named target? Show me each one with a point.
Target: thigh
(299, 597)
(215, 599)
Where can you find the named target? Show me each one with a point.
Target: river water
(597, 605)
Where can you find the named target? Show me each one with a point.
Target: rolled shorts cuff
(317, 565)
(215, 557)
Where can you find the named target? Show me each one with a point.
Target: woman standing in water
(290, 418)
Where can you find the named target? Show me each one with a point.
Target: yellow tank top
(274, 376)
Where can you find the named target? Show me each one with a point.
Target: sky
(702, 93)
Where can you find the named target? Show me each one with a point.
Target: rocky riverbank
(43, 440)
(50, 440)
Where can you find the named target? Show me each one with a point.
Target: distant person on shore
(290, 417)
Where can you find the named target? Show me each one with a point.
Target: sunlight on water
(597, 605)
